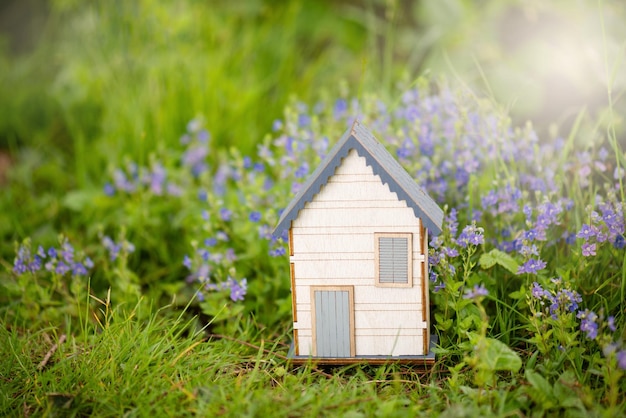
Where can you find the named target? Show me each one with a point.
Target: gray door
(332, 323)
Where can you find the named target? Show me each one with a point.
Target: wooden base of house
(426, 361)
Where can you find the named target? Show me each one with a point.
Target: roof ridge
(383, 165)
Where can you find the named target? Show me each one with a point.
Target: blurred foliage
(124, 77)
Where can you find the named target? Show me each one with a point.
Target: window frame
(409, 237)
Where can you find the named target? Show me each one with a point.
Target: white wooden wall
(333, 244)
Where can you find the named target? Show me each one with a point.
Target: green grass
(136, 363)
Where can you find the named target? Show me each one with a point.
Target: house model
(358, 252)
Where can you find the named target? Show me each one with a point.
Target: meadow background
(147, 147)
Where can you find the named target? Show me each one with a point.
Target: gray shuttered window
(393, 259)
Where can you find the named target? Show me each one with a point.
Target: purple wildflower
(621, 359)
(88, 262)
(527, 251)
(78, 269)
(530, 235)
(109, 189)
(204, 254)
(277, 252)
(587, 231)
(122, 183)
(452, 222)
(302, 171)
(187, 262)
(230, 255)
(204, 136)
(538, 292)
(255, 216)
(238, 289)
(195, 157)
(589, 249)
(114, 248)
(532, 266)
(588, 324)
(610, 322)
(67, 252)
(304, 120)
(62, 268)
(20, 265)
(225, 214)
(156, 179)
(471, 234)
(476, 292)
(565, 300)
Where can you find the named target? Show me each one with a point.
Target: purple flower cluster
(594, 327)
(441, 257)
(588, 323)
(562, 303)
(540, 223)
(196, 139)
(604, 227)
(114, 249)
(532, 266)
(558, 303)
(212, 261)
(154, 178)
(586, 166)
(135, 179)
(237, 289)
(58, 260)
(503, 200)
(298, 147)
(471, 235)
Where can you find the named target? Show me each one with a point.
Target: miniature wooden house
(358, 247)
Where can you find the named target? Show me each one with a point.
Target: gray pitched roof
(359, 138)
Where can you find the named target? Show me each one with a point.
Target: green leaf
(488, 260)
(543, 393)
(443, 324)
(538, 381)
(519, 294)
(498, 356)
(77, 200)
(567, 397)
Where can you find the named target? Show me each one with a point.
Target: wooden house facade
(358, 250)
